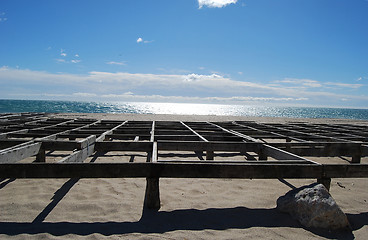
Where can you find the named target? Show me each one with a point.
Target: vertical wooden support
(325, 182)
(288, 147)
(210, 155)
(356, 159)
(41, 156)
(262, 155)
(152, 195)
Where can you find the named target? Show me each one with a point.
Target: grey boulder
(314, 207)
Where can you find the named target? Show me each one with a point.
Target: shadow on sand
(188, 219)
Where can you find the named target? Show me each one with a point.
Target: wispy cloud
(63, 53)
(301, 82)
(344, 85)
(215, 3)
(65, 59)
(116, 63)
(140, 40)
(3, 17)
(188, 87)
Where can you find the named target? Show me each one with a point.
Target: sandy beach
(190, 208)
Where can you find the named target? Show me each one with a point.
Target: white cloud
(180, 87)
(156, 98)
(82, 94)
(215, 3)
(2, 18)
(359, 78)
(75, 61)
(302, 82)
(76, 55)
(345, 85)
(116, 63)
(140, 40)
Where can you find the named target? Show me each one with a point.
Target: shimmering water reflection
(179, 108)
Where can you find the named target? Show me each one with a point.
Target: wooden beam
(154, 152)
(279, 162)
(281, 154)
(124, 146)
(171, 170)
(152, 132)
(83, 154)
(270, 132)
(6, 135)
(86, 142)
(199, 135)
(345, 171)
(245, 137)
(17, 154)
(209, 146)
(59, 145)
(102, 137)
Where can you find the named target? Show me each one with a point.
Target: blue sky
(287, 52)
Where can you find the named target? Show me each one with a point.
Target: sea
(7, 106)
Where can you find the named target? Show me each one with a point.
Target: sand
(191, 208)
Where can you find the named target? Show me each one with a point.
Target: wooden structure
(175, 149)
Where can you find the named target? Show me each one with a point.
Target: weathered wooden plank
(210, 146)
(345, 171)
(152, 132)
(239, 162)
(6, 143)
(59, 145)
(17, 154)
(146, 137)
(199, 135)
(322, 148)
(169, 170)
(176, 137)
(245, 137)
(124, 146)
(83, 154)
(280, 154)
(154, 152)
(79, 156)
(86, 142)
(102, 137)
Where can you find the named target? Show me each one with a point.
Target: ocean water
(179, 108)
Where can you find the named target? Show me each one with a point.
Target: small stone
(313, 206)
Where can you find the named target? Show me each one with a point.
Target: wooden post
(152, 195)
(262, 155)
(210, 155)
(41, 156)
(325, 182)
(288, 147)
(356, 159)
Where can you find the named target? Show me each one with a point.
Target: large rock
(313, 206)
